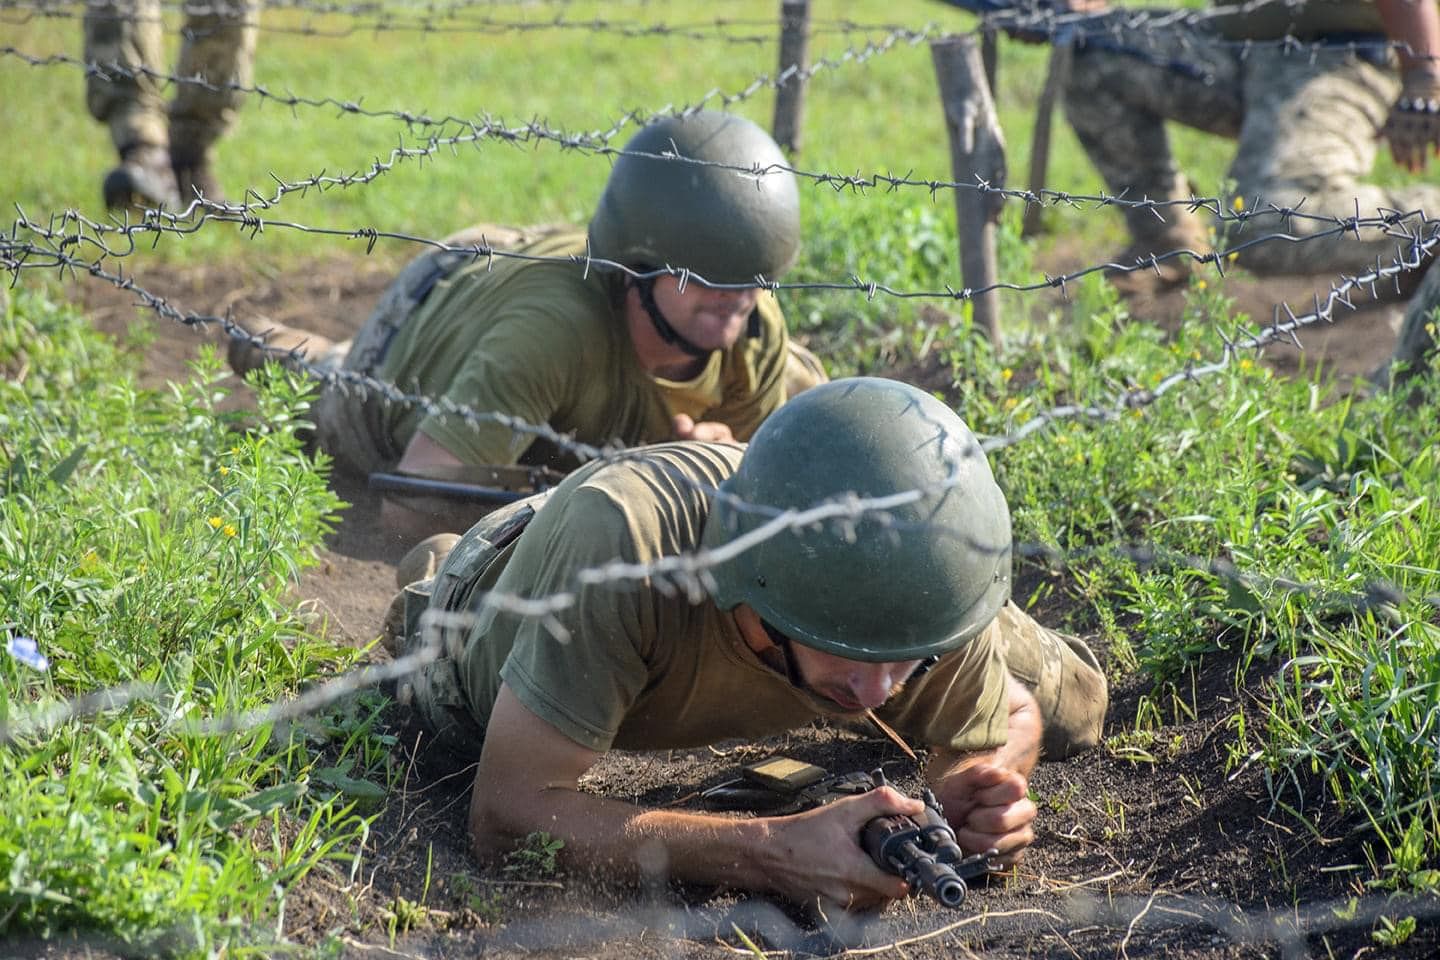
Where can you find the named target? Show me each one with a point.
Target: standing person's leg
(123, 40)
(1124, 85)
(1308, 141)
(218, 46)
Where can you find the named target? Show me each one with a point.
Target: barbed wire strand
(1412, 231)
(1119, 28)
(719, 29)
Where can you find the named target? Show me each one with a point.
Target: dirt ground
(1144, 849)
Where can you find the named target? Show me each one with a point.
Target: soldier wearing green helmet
(853, 560)
(563, 336)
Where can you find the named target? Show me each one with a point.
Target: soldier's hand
(818, 857)
(712, 431)
(1413, 127)
(989, 808)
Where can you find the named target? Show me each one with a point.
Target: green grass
(133, 823)
(149, 545)
(1283, 527)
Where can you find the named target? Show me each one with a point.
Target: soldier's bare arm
(528, 781)
(1413, 127)
(986, 793)
(417, 518)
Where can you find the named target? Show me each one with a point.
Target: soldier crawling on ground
(903, 611)
(588, 351)
(1307, 122)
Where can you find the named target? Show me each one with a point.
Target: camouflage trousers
(217, 44)
(1060, 671)
(347, 420)
(1305, 122)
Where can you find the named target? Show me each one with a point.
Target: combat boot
(144, 179)
(282, 342)
(424, 559)
(1149, 280)
(193, 176)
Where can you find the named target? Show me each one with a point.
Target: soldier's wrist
(1420, 90)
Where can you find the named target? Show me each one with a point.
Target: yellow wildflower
(1233, 255)
(230, 530)
(1238, 204)
(224, 471)
(1246, 363)
(1010, 403)
(1006, 374)
(1201, 284)
(215, 523)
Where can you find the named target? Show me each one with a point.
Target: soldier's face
(853, 684)
(710, 319)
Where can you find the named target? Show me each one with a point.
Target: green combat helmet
(726, 225)
(913, 581)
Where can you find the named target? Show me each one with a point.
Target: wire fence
(58, 244)
(70, 243)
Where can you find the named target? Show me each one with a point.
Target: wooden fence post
(977, 152)
(789, 122)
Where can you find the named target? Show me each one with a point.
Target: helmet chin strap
(645, 286)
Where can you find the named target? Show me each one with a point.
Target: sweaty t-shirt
(645, 664)
(543, 342)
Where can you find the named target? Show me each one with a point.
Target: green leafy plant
(148, 542)
(1393, 933)
(535, 857)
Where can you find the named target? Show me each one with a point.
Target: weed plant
(145, 545)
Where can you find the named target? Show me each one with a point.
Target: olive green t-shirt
(543, 342)
(639, 664)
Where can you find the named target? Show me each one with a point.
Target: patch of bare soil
(1352, 344)
(1158, 845)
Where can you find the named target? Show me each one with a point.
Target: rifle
(921, 850)
(490, 484)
